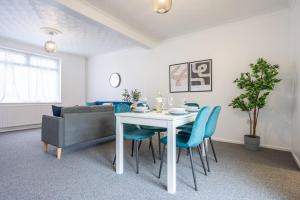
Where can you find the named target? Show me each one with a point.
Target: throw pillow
(56, 110)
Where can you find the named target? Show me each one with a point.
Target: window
(28, 78)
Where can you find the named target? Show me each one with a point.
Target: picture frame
(200, 76)
(179, 77)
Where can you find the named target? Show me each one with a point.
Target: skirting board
(19, 128)
(296, 159)
(262, 145)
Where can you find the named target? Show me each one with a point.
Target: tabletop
(155, 115)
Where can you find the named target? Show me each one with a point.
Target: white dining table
(153, 119)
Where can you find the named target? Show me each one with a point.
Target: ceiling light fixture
(50, 46)
(162, 6)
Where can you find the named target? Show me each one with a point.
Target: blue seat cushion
(138, 134)
(181, 140)
(186, 132)
(154, 128)
(186, 126)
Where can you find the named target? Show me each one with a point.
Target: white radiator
(14, 116)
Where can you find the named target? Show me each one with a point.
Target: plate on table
(192, 109)
(177, 111)
(141, 109)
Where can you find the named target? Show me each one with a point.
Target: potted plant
(256, 86)
(133, 97)
(126, 96)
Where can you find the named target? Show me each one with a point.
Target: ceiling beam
(88, 10)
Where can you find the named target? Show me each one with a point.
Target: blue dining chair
(131, 132)
(188, 125)
(188, 142)
(209, 131)
(155, 129)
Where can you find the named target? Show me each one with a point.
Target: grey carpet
(85, 172)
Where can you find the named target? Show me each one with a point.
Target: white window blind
(28, 78)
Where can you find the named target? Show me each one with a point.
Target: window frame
(28, 54)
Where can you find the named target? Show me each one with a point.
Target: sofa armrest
(53, 130)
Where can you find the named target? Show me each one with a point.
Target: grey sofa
(77, 124)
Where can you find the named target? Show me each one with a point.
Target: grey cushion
(85, 109)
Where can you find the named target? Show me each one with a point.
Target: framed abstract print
(200, 76)
(179, 77)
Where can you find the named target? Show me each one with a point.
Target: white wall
(73, 87)
(296, 119)
(232, 47)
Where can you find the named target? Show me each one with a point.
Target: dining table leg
(204, 145)
(119, 146)
(171, 158)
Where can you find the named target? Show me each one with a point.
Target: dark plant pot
(252, 143)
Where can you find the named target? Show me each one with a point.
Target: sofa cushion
(56, 110)
(85, 109)
(108, 104)
(113, 102)
(90, 103)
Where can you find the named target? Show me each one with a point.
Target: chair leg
(213, 149)
(45, 147)
(137, 159)
(201, 158)
(132, 147)
(114, 161)
(140, 144)
(152, 149)
(179, 152)
(161, 160)
(192, 165)
(159, 145)
(58, 153)
(206, 157)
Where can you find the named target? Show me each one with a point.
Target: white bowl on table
(177, 111)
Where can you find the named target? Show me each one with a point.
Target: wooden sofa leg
(45, 147)
(58, 153)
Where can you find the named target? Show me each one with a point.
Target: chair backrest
(192, 104)
(212, 121)
(198, 130)
(121, 108)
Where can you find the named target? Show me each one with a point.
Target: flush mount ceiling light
(50, 45)
(162, 6)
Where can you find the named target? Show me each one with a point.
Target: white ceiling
(118, 24)
(186, 15)
(21, 20)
